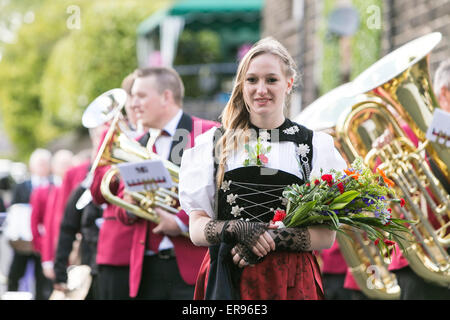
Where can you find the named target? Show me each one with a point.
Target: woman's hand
(263, 245)
(244, 256)
(237, 259)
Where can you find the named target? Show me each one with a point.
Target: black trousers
(113, 282)
(44, 286)
(414, 287)
(333, 287)
(161, 280)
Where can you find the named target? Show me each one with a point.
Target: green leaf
(346, 196)
(342, 200)
(301, 213)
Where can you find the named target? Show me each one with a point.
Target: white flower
(264, 135)
(284, 201)
(231, 198)
(225, 185)
(236, 211)
(291, 130)
(302, 150)
(279, 224)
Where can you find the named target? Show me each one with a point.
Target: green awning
(199, 12)
(214, 6)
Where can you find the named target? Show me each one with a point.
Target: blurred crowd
(29, 231)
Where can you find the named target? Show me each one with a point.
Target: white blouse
(197, 188)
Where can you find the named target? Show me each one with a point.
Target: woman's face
(265, 87)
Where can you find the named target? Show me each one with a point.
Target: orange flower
(386, 180)
(353, 174)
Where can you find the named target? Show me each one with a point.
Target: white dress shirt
(162, 145)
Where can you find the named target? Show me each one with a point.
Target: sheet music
(145, 175)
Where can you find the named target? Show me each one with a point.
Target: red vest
(38, 202)
(114, 239)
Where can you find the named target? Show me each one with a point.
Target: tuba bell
(106, 107)
(103, 109)
(401, 103)
(368, 265)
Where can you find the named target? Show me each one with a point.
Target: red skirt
(280, 276)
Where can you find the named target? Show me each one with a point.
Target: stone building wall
(405, 20)
(295, 23)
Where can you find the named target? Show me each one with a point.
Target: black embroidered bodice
(254, 193)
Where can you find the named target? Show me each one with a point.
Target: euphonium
(402, 100)
(117, 148)
(103, 109)
(122, 149)
(368, 265)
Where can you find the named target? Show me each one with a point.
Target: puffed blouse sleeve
(196, 182)
(325, 155)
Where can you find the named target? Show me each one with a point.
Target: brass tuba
(389, 98)
(401, 80)
(368, 265)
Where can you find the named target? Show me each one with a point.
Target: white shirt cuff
(181, 225)
(47, 264)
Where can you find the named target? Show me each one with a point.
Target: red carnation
(402, 202)
(340, 185)
(376, 241)
(279, 215)
(316, 182)
(328, 178)
(389, 242)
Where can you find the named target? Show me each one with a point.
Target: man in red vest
(61, 162)
(115, 238)
(164, 264)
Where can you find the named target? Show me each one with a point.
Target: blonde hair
(235, 117)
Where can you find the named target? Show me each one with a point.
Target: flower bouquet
(356, 197)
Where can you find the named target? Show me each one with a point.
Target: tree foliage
(57, 66)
